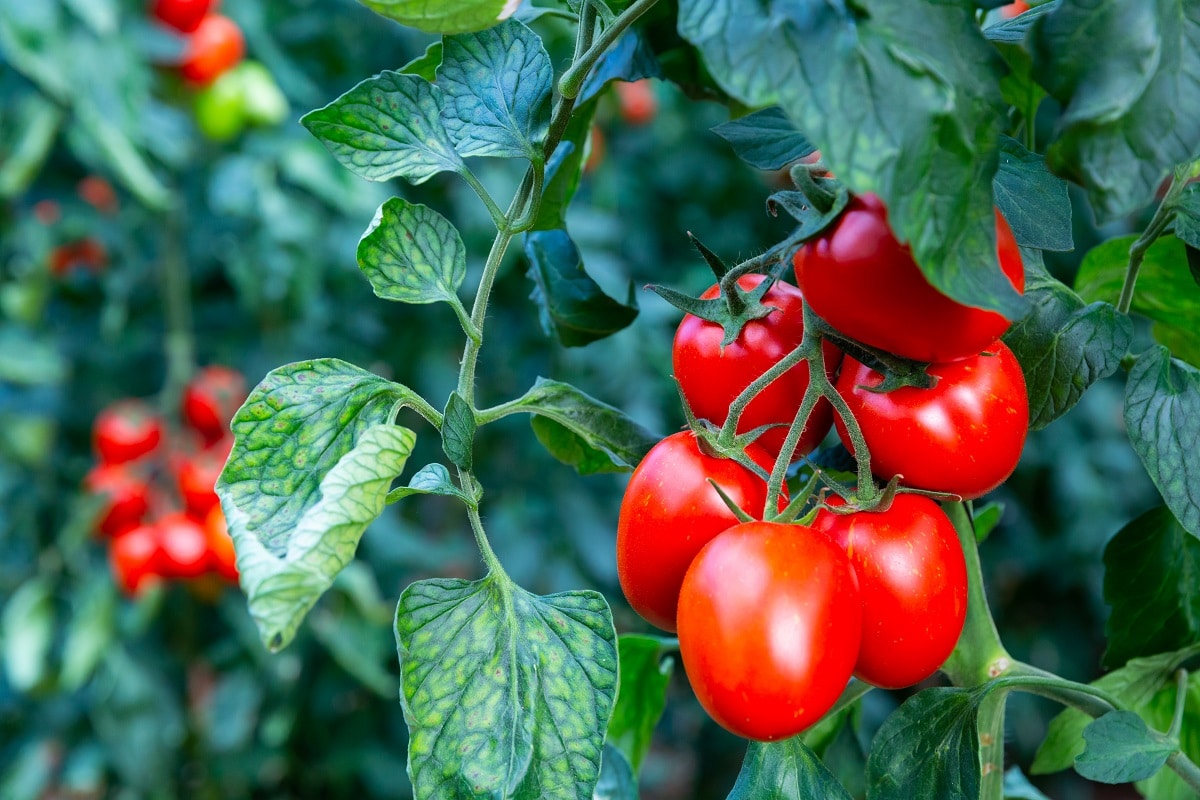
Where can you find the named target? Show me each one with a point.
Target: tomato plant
(769, 625)
(913, 582)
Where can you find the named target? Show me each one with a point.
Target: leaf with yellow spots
(506, 694)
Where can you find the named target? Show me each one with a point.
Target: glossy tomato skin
(963, 436)
(711, 376)
(126, 430)
(135, 557)
(184, 547)
(863, 282)
(669, 511)
(769, 626)
(913, 582)
(210, 399)
(126, 497)
(182, 15)
(216, 46)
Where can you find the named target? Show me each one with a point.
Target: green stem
(1186, 769)
(1163, 216)
(493, 209)
(783, 461)
(1089, 699)
(179, 342)
(1181, 686)
(738, 406)
(468, 484)
(572, 80)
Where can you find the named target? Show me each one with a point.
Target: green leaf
(1014, 29)
(837, 69)
(564, 169)
(646, 666)
(785, 770)
(24, 148)
(1162, 416)
(766, 139)
(1018, 787)
(1033, 201)
(461, 16)
(571, 305)
(1121, 749)
(1187, 216)
(426, 64)
(387, 126)
(26, 634)
(1064, 346)
(506, 694)
(412, 254)
(581, 431)
(1150, 570)
(127, 163)
(617, 780)
(431, 479)
(1134, 685)
(986, 519)
(630, 59)
(1132, 115)
(458, 431)
(1165, 292)
(497, 86)
(1158, 713)
(929, 747)
(90, 633)
(282, 587)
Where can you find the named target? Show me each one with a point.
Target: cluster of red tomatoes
(160, 513)
(773, 618)
(231, 92)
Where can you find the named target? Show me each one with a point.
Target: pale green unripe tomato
(264, 101)
(220, 107)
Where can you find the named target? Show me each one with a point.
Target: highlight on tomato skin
(770, 621)
(913, 580)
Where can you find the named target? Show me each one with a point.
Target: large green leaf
(387, 126)
(506, 694)
(1064, 346)
(1033, 201)
(460, 16)
(1133, 685)
(413, 254)
(1120, 748)
(837, 70)
(1165, 291)
(1162, 416)
(785, 770)
(1131, 115)
(497, 84)
(646, 665)
(1158, 713)
(929, 747)
(766, 139)
(1151, 570)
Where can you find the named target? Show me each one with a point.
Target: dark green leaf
(931, 158)
(412, 254)
(785, 770)
(630, 59)
(458, 432)
(1162, 416)
(1014, 29)
(571, 305)
(1033, 201)
(1158, 713)
(583, 432)
(1128, 117)
(1165, 291)
(617, 779)
(386, 127)
(506, 694)
(929, 747)
(1150, 581)
(766, 139)
(564, 169)
(92, 631)
(1063, 345)
(1121, 749)
(1187, 228)
(461, 16)
(430, 479)
(1134, 685)
(646, 665)
(497, 84)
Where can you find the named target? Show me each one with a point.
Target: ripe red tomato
(769, 627)
(184, 547)
(196, 474)
(98, 193)
(126, 430)
(711, 376)
(87, 253)
(670, 511)
(637, 101)
(963, 436)
(210, 399)
(215, 46)
(221, 556)
(182, 15)
(135, 558)
(126, 494)
(864, 283)
(913, 581)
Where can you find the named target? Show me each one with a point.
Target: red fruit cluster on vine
(160, 513)
(214, 44)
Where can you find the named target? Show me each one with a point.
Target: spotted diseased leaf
(412, 254)
(836, 70)
(1128, 117)
(1033, 201)
(1120, 748)
(281, 585)
(1162, 415)
(386, 127)
(497, 84)
(785, 770)
(646, 666)
(506, 694)
(766, 139)
(437, 16)
(1063, 345)
(581, 431)
(929, 747)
